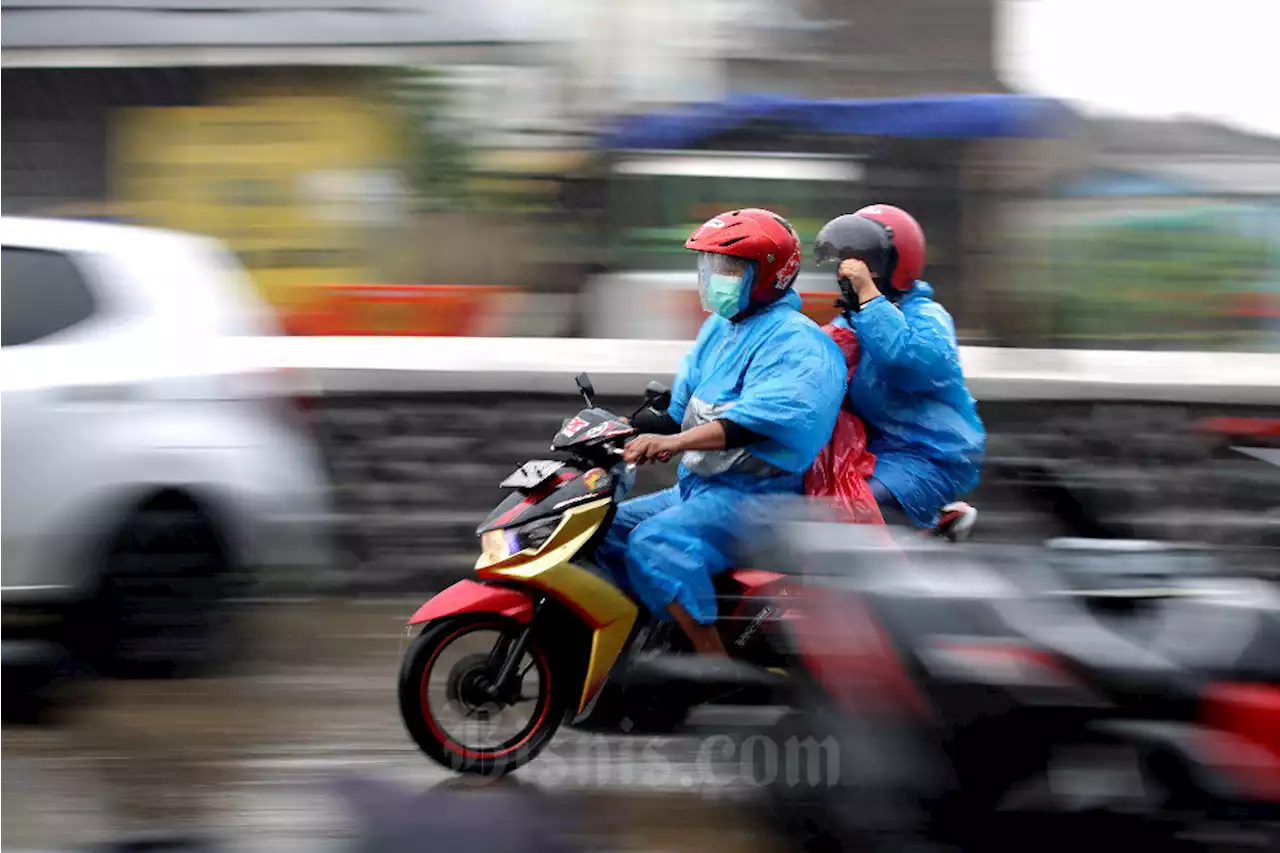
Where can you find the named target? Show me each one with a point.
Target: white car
(149, 465)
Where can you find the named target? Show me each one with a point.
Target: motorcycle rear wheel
(428, 731)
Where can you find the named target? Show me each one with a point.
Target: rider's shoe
(956, 522)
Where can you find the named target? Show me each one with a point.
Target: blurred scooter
(1115, 692)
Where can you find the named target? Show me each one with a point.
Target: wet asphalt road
(250, 755)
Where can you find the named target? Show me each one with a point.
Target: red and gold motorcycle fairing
(605, 608)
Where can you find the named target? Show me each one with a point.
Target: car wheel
(163, 598)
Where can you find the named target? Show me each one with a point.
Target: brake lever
(614, 450)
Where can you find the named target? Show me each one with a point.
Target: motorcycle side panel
(602, 605)
(468, 596)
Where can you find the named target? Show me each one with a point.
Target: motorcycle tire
(429, 734)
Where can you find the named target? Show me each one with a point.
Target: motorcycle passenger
(908, 388)
(752, 404)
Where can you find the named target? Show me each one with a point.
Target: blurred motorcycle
(1095, 691)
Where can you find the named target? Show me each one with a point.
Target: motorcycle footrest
(701, 671)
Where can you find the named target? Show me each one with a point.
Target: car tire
(162, 609)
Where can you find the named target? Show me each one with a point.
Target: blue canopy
(934, 117)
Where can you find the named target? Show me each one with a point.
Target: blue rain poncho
(909, 389)
(775, 373)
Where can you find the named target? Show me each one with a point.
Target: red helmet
(908, 242)
(754, 235)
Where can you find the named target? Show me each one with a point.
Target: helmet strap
(892, 266)
(848, 300)
(887, 290)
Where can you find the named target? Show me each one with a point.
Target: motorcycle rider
(909, 387)
(752, 404)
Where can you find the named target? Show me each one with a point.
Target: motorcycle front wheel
(449, 705)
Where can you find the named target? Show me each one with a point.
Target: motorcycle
(536, 636)
(1077, 694)
(541, 632)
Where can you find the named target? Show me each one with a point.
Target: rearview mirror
(584, 386)
(657, 396)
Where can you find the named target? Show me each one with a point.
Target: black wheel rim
(462, 715)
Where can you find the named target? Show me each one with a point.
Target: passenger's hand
(650, 448)
(863, 284)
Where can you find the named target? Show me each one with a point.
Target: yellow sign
(295, 185)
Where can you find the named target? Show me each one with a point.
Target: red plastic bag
(839, 474)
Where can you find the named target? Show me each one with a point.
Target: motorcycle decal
(597, 430)
(575, 501)
(532, 499)
(787, 275)
(572, 426)
(753, 627)
(596, 479)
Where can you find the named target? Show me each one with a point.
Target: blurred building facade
(281, 127)
(365, 160)
(290, 130)
(1160, 235)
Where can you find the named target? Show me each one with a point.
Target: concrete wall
(414, 474)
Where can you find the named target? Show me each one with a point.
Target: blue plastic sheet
(989, 116)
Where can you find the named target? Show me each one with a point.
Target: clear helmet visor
(724, 283)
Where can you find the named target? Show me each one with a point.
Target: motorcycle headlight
(500, 544)
(535, 533)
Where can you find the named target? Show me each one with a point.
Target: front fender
(468, 596)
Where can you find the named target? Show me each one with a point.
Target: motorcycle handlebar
(615, 450)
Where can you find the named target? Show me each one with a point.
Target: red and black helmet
(756, 235)
(908, 242)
